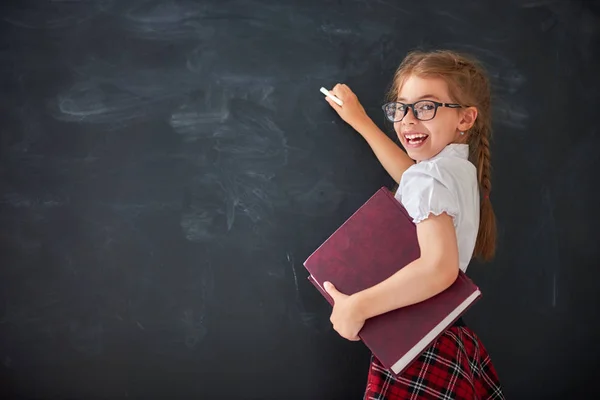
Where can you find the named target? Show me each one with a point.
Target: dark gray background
(167, 166)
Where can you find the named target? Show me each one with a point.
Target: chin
(417, 158)
(419, 149)
(417, 155)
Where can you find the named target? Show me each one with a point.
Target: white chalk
(331, 96)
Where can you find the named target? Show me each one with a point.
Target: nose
(409, 118)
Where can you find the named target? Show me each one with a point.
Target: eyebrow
(426, 96)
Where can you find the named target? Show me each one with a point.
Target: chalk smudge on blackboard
(212, 208)
(198, 224)
(546, 239)
(290, 260)
(334, 30)
(146, 82)
(194, 328)
(56, 15)
(509, 80)
(393, 5)
(320, 198)
(18, 200)
(95, 103)
(194, 320)
(120, 92)
(202, 60)
(310, 319)
(554, 290)
(199, 119)
(553, 241)
(509, 114)
(242, 148)
(454, 17)
(167, 20)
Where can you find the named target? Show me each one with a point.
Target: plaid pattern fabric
(456, 366)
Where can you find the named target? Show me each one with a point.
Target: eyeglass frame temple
(411, 106)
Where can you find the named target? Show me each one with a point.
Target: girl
(440, 107)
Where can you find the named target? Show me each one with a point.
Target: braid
(483, 167)
(486, 237)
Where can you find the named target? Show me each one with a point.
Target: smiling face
(424, 139)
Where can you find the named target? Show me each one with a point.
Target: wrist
(361, 305)
(362, 124)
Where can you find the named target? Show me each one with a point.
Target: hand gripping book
(371, 245)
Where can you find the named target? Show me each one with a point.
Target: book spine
(450, 324)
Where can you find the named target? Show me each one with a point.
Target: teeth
(416, 136)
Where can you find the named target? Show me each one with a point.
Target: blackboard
(166, 167)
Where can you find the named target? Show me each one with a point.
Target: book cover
(370, 246)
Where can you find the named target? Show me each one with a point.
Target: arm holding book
(433, 272)
(430, 274)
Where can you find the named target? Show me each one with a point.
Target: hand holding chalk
(352, 111)
(331, 96)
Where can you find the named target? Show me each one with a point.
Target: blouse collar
(459, 150)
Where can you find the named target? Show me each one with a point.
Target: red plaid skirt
(456, 366)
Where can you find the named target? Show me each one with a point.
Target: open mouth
(415, 139)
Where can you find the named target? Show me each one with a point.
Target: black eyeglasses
(423, 110)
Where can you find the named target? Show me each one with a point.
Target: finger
(351, 338)
(336, 107)
(330, 288)
(337, 90)
(333, 292)
(346, 91)
(333, 103)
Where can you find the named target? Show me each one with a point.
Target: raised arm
(393, 159)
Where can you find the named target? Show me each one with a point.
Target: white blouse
(446, 182)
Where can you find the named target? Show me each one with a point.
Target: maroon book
(371, 245)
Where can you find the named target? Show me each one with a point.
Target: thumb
(330, 288)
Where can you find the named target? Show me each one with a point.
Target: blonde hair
(468, 84)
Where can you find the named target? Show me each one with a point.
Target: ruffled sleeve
(424, 191)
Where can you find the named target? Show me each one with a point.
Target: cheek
(398, 127)
(429, 127)
(438, 127)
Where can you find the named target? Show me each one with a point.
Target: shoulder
(430, 187)
(445, 169)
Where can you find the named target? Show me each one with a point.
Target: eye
(426, 106)
(395, 109)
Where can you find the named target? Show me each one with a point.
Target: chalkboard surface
(166, 167)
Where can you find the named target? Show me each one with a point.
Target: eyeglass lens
(423, 110)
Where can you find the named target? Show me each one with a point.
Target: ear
(468, 117)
